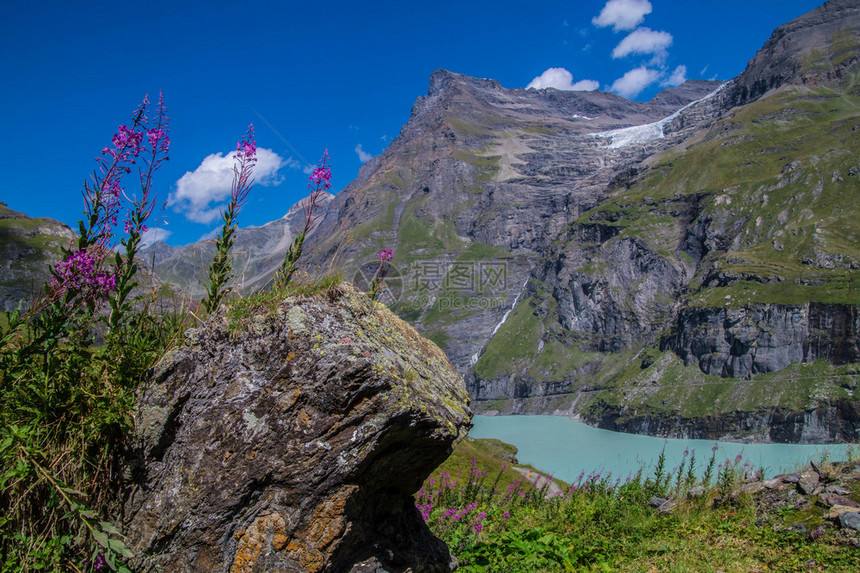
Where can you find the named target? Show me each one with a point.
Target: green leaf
(88, 514)
(120, 547)
(109, 528)
(71, 491)
(101, 538)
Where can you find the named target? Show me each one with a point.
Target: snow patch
(641, 134)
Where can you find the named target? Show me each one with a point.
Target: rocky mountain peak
(815, 48)
(443, 80)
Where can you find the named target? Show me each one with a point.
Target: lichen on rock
(292, 439)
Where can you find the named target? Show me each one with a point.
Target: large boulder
(291, 436)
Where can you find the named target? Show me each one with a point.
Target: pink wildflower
(321, 177)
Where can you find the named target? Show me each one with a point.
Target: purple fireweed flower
(321, 177)
(816, 533)
(247, 148)
(156, 135)
(80, 272)
(129, 226)
(385, 256)
(126, 141)
(425, 510)
(478, 524)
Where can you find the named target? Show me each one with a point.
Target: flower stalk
(319, 184)
(221, 268)
(384, 257)
(139, 211)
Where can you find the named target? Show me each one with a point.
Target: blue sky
(340, 76)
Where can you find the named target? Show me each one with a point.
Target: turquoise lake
(565, 448)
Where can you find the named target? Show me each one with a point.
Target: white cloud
(208, 236)
(678, 77)
(633, 82)
(561, 79)
(644, 41)
(363, 156)
(200, 194)
(154, 235)
(622, 14)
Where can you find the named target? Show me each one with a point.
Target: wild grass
(494, 519)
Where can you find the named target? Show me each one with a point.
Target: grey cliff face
(293, 440)
(760, 339)
(28, 248)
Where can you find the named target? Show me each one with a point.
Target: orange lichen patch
(327, 525)
(265, 535)
(304, 419)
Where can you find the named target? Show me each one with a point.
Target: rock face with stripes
(291, 436)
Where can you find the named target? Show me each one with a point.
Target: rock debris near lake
(291, 437)
(822, 490)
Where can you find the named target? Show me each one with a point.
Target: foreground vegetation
(72, 361)
(495, 518)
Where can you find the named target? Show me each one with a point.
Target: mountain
(28, 248)
(258, 252)
(685, 266)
